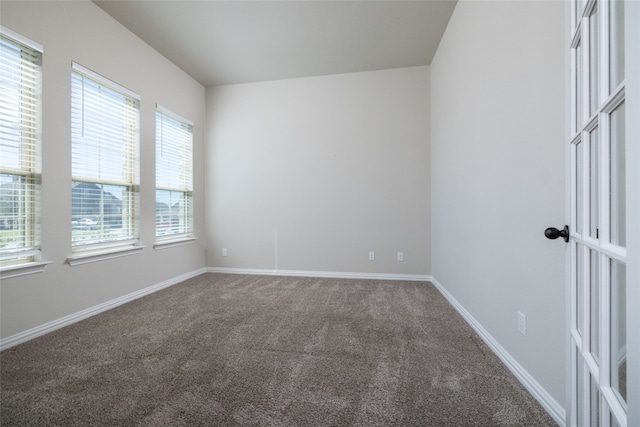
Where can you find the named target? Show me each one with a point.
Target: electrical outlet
(522, 323)
(224, 251)
(372, 256)
(400, 256)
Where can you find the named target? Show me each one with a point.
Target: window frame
(103, 247)
(27, 258)
(182, 167)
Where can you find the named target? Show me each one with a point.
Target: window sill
(95, 256)
(171, 243)
(23, 269)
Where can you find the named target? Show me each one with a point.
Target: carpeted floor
(267, 351)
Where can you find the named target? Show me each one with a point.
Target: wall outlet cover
(522, 323)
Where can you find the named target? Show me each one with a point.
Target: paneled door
(598, 215)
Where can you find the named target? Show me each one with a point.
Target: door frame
(632, 73)
(632, 105)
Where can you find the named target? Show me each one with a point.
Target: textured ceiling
(228, 42)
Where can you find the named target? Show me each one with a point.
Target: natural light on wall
(174, 175)
(105, 134)
(20, 99)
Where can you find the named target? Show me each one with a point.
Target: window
(105, 146)
(174, 175)
(20, 104)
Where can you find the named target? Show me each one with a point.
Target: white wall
(338, 165)
(497, 171)
(81, 32)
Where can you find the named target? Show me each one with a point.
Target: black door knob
(554, 233)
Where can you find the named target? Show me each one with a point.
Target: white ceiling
(228, 42)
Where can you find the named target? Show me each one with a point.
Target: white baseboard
(553, 408)
(32, 333)
(329, 274)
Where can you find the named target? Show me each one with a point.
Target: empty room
(327, 213)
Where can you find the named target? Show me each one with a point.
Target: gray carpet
(267, 351)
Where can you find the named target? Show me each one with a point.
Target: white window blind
(20, 103)
(105, 158)
(174, 174)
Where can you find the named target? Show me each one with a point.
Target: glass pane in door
(594, 304)
(578, 187)
(617, 184)
(579, 287)
(578, 86)
(616, 43)
(594, 402)
(594, 163)
(594, 31)
(618, 273)
(579, 390)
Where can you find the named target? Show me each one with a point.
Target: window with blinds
(174, 175)
(20, 104)
(105, 138)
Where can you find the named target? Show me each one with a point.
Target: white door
(599, 223)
